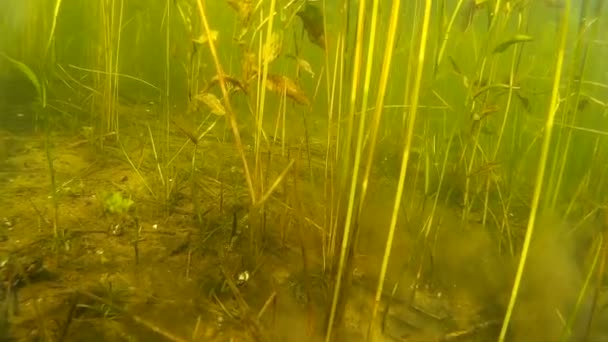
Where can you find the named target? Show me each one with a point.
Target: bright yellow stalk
(405, 158)
(353, 100)
(262, 90)
(553, 105)
(386, 67)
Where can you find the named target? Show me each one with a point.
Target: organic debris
(232, 83)
(212, 102)
(303, 64)
(312, 18)
(204, 39)
(243, 8)
(469, 12)
(282, 84)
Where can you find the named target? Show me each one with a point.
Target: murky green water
(166, 179)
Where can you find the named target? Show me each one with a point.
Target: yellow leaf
(283, 85)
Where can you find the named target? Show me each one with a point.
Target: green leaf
(31, 75)
(518, 38)
(115, 203)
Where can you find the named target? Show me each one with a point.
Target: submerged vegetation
(303, 170)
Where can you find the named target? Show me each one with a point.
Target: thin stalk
(410, 64)
(55, 201)
(226, 99)
(599, 279)
(427, 228)
(567, 331)
(193, 184)
(352, 213)
(446, 36)
(363, 114)
(335, 197)
(346, 164)
(517, 52)
(342, 47)
(329, 162)
(281, 114)
(415, 98)
(386, 68)
(572, 103)
(276, 183)
(141, 177)
(101, 72)
(156, 157)
(259, 115)
(109, 81)
(553, 105)
(115, 76)
(167, 100)
(489, 65)
(53, 26)
(356, 75)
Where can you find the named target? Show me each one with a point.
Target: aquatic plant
(115, 203)
(289, 119)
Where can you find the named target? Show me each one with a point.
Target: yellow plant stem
(567, 330)
(553, 106)
(404, 162)
(53, 26)
(346, 166)
(446, 36)
(259, 115)
(386, 67)
(573, 97)
(329, 161)
(226, 98)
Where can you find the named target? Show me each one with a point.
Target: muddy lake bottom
(160, 274)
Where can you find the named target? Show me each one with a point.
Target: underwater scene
(303, 170)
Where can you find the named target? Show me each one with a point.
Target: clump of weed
(123, 217)
(115, 203)
(120, 209)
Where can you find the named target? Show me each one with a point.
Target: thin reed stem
(553, 104)
(226, 100)
(415, 98)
